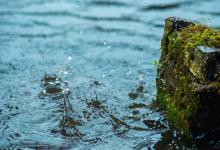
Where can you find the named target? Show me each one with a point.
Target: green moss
(180, 70)
(179, 112)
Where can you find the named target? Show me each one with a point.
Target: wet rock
(188, 77)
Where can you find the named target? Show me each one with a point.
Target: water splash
(65, 71)
(54, 87)
(107, 44)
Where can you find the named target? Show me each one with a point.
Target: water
(105, 51)
(207, 49)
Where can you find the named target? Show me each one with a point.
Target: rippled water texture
(101, 52)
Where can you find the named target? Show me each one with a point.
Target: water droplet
(128, 72)
(69, 58)
(65, 72)
(105, 43)
(81, 31)
(141, 77)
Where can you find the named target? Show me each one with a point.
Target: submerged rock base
(188, 77)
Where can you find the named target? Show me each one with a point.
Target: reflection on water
(101, 82)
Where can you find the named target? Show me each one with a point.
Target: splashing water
(65, 70)
(108, 116)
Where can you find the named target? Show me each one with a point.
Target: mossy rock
(188, 77)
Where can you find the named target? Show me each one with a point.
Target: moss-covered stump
(188, 77)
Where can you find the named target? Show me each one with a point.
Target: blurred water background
(106, 50)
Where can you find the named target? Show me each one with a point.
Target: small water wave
(209, 13)
(108, 3)
(97, 100)
(125, 32)
(165, 6)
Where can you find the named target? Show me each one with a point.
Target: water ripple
(111, 77)
(109, 3)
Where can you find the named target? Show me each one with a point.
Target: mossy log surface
(188, 77)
